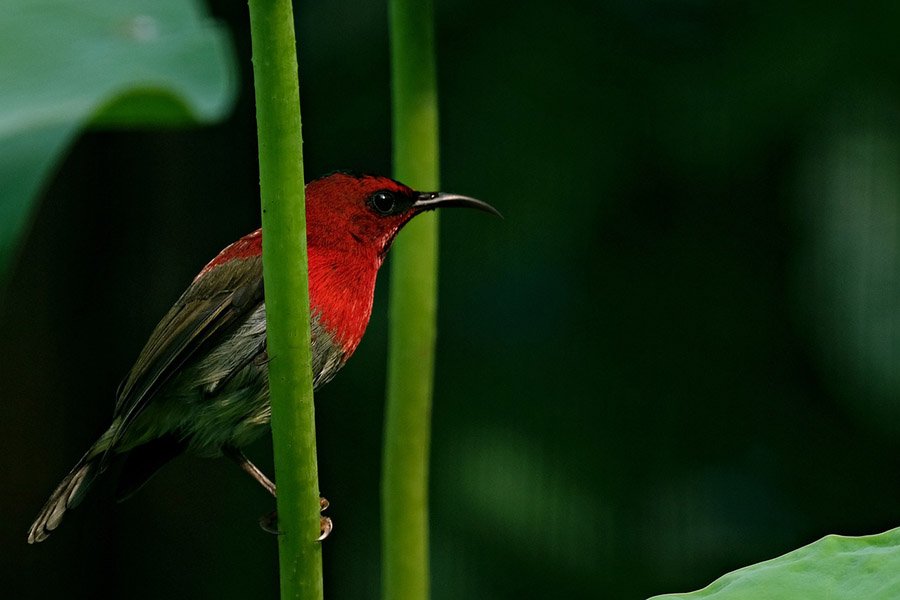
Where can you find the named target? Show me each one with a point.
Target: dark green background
(676, 356)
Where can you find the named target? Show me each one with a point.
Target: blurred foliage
(671, 360)
(835, 567)
(111, 62)
(848, 275)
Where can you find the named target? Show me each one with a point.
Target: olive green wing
(217, 301)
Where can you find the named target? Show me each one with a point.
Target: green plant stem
(287, 296)
(413, 308)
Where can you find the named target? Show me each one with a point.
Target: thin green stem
(287, 296)
(413, 308)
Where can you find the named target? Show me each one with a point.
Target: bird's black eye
(383, 202)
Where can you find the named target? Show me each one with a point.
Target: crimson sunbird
(200, 384)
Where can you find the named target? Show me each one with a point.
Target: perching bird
(200, 383)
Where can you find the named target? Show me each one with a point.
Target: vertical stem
(287, 296)
(413, 308)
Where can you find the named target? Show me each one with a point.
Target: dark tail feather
(66, 495)
(143, 462)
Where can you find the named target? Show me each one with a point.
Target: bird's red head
(351, 221)
(363, 213)
(356, 214)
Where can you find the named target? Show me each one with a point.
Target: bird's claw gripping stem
(269, 522)
(325, 523)
(325, 526)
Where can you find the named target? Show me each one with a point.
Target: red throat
(341, 289)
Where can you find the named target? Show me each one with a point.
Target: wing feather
(218, 301)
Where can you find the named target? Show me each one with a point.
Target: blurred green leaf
(848, 265)
(109, 62)
(835, 567)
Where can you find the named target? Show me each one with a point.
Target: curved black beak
(432, 200)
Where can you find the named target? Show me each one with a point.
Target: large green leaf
(66, 64)
(833, 568)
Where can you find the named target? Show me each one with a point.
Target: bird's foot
(269, 522)
(325, 523)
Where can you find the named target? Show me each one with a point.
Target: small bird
(200, 384)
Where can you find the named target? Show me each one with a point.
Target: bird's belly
(234, 417)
